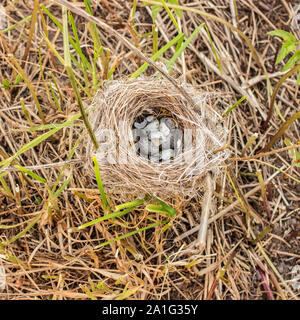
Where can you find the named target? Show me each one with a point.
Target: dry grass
(253, 233)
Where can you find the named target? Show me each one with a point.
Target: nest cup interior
(159, 107)
(120, 104)
(157, 134)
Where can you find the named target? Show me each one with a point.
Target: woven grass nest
(115, 109)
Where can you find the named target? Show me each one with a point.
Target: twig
(250, 83)
(206, 208)
(265, 284)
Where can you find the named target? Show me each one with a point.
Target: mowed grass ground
(252, 248)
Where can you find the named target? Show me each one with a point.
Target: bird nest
(185, 139)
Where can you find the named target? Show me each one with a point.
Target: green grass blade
(23, 75)
(73, 43)
(31, 174)
(295, 57)
(133, 16)
(72, 78)
(55, 98)
(154, 225)
(42, 74)
(37, 141)
(96, 34)
(100, 186)
(283, 34)
(112, 70)
(170, 15)
(6, 188)
(184, 46)
(179, 43)
(294, 153)
(157, 55)
(2, 226)
(54, 125)
(65, 166)
(130, 204)
(62, 188)
(286, 48)
(298, 79)
(77, 44)
(155, 10)
(19, 235)
(26, 113)
(127, 293)
(28, 146)
(50, 45)
(82, 56)
(58, 89)
(160, 209)
(3, 174)
(214, 49)
(103, 218)
(232, 107)
(168, 208)
(156, 208)
(97, 42)
(24, 20)
(155, 39)
(177, 11)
